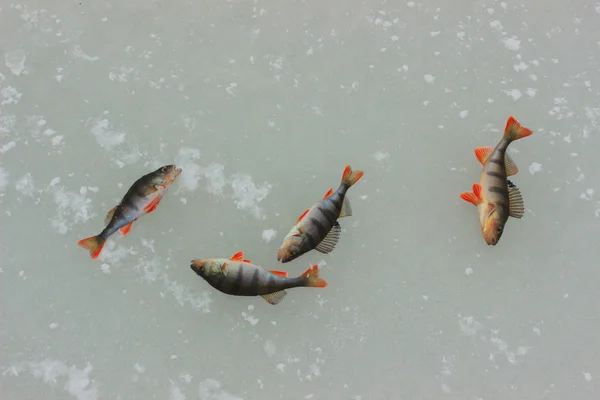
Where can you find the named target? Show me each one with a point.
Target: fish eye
(499, 230)
(163, 169)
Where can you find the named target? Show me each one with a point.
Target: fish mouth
(282, 256)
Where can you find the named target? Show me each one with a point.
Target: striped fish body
(318, 222)
(494, 185)
(318, 228)
(245, 279)
(142, 198)
(496, 197)
(239, 277)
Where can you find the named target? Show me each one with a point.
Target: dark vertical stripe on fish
(312, 242)
(322, 230)
(337, 200)
(271, 283)
(238, 283)
(328, 214)
(496, 160)
(496, 174)
(498, 189)
(254, 283)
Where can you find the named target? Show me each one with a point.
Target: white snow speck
(535, 167)
(53, 325)
(249, 318)
(210, 389)
(15, 61)
(381, 156)
(175, 392)
(8, 146)
(3, 179)
(105, 268)
(463, 114)
(269, 234)
(587, 376)
(512, 43)
(531, 92)
(514, 93)
(496, 25)
(429, 78)
(395, 38)
(468, 271)
(270, 348)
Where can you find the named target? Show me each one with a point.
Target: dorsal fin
(302, 216)
(239, 256)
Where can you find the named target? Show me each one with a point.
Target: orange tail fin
(514, 130)
(94, 244)
(350, 177)
(313, 277)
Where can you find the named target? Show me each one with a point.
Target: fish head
(206, 267)
(493, 226)
(165, 176)
(292, 247)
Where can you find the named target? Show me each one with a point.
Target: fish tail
(350, 177)
(312, 275)
(514, 130)
(94, 244)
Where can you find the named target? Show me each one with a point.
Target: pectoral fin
(225, 269)
(152, 205)
(239, 256)
(274, 298)
(328, 243)
(516, 206)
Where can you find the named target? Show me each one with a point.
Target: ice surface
(263, 104)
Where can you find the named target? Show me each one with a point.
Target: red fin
(514, 130)
(470, 198)
(279, 273)
(477, 190)
(248, 261)
(125, 230)
(152, 205)
(313, 277)
(239, 256)
(94, 244)
(328, 194)
(482, 153)
(350, 177)
(302, 216)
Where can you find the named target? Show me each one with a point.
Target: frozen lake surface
(263, 104)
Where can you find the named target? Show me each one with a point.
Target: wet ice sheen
(262, 104)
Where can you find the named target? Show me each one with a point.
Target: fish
(142, 198)
(495, 196)
(318, 227)
(240, 277)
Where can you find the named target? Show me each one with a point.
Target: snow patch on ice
(463, 114)
(15, 61)
(245, 193)
(514, 93)
(535, 168)
(3, 179)
(106, 137)
(210, 389)
(78, 382)
(25, 185)
(429, 78)
(269, 234)
(72, 207)
(512, 43)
